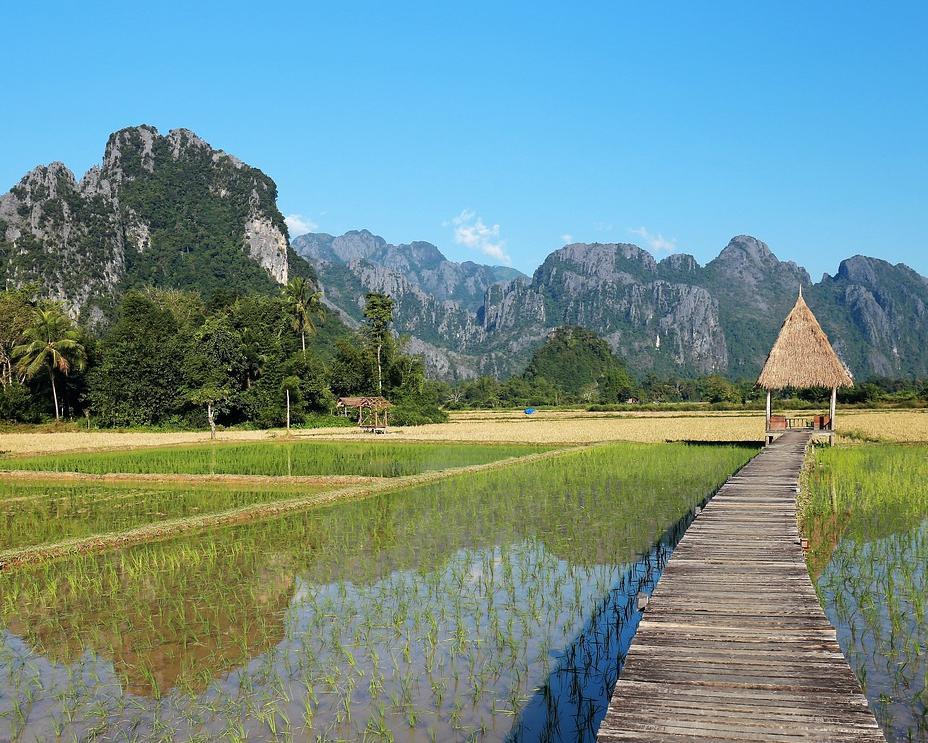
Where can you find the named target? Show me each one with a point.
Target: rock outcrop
(168, 210)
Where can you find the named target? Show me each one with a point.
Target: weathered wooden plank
(734, 645)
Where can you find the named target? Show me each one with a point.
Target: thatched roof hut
(371, 401)
(802, 357)
(372, 411)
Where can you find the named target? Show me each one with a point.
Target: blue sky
(498, 131)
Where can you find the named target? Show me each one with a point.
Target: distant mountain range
(668, 316)
(172, 211)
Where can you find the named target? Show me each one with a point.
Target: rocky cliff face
(877, 314)
(755, 291)
(672, 316)
(167, 210)
(437, 300)
(421, 264)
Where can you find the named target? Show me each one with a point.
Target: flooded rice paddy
(867, 519)
(483, 606)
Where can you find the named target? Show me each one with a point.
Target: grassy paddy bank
(865, 511)
(478, 605)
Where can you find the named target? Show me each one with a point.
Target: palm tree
(304, 304)
(50, 342)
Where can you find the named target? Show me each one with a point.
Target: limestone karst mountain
(172, 211)
(165, 210)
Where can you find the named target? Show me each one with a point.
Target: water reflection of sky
(875, 592)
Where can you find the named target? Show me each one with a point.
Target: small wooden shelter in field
(802, 358)
(372, 411)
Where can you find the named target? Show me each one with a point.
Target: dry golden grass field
(549, 427)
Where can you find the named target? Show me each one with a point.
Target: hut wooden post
(767, 420)
(831, 423)
(288, 411)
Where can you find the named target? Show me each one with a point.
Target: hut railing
(785, 423)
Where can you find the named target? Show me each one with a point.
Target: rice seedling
(865, 510)
(37, 513)
(376, 459)
(486, 605)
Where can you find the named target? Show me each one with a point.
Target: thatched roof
(802, 357)
(373, 402)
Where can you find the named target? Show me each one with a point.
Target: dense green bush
(18, 405)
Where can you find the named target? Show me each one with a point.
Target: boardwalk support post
(767, 438)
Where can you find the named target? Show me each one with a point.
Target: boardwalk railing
(734, 645)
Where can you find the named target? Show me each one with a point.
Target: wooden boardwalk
(734, 645)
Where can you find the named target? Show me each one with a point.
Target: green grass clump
(866, 514)
(376, 459)
(436, 611)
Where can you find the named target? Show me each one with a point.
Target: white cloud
(656, 242)
(471, 232)
(297, 224)
(567, 238)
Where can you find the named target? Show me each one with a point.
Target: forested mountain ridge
(169, 211)
(172, 212)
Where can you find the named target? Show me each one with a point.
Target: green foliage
(719, 389)
(353, 369)
(195, 237)
(18, 404)
(139, 378)
(573, 365)
(16, 311)
(579, 363)
(418, 404)
(378, 316)
(304, 305)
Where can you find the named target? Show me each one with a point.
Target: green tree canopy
(139, 377)
(378, 316)
(581, 364)
(16, 313)
(304, 305)
(50, 343)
